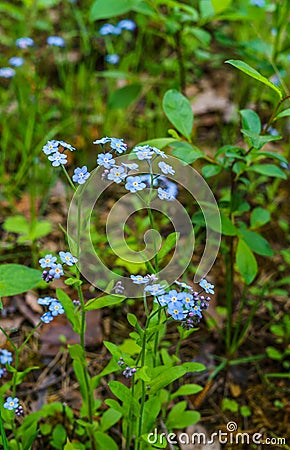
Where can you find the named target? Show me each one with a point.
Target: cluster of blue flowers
(109, 29)
(24, 43)
(167, 190)
(54, 308)
(183, 304)
(125, 24)
(129, 371)
(54, 269)
(55, 152)
(55, 149)
(5, 357)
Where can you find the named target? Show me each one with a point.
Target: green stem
(182, 73)
(89, 393)
(145, 304)
(154, 243)
(156, 339)
(239, 322)
(143, 395)
(3, 434)
(68, 178)
(29, 336)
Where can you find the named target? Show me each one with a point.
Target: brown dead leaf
(26, 311)
(60, 326)
(9, 324)
(31, 301)
(235, 389)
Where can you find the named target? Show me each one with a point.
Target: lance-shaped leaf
(253, 73)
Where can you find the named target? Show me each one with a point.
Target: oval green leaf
(256, 243)
(269, 170)
(246, 262)
(15, 279)
(103, 9)
(178, 111)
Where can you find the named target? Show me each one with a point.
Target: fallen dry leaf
(9, 325)
(50, 333)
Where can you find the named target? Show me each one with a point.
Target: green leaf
(167, 376)
(220, 5)
(246, 262)
(143, 8)
(251, 121)
(123, 97)
(105, 441)
(231, 150)
(206, 9)
(159, 440)
(178, 111)
(15, 279)
(273, 353)
(68, 306)
(16, 224)
(259, 141)
(203, 36)
(106, 300)
(187, 389)
(58, 436)
(228, 228)
(19, 225)
(114, 404)
(193, 367)
(170, 242)
(151, 411)
(120, 391)
(132, 319)
(130, 347)
(256, 242)
(270, 170)
(70, 446)
(13, 11)
(179, 418)
(259, 217)
(285, 113)
(77, 354)
(271, 155)
(186, 152)
(245, 411)
(230, 405)
(40, 229)
(159, 142)
(104, 9)
(109, 418)
(253, 73)
(210, 170)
